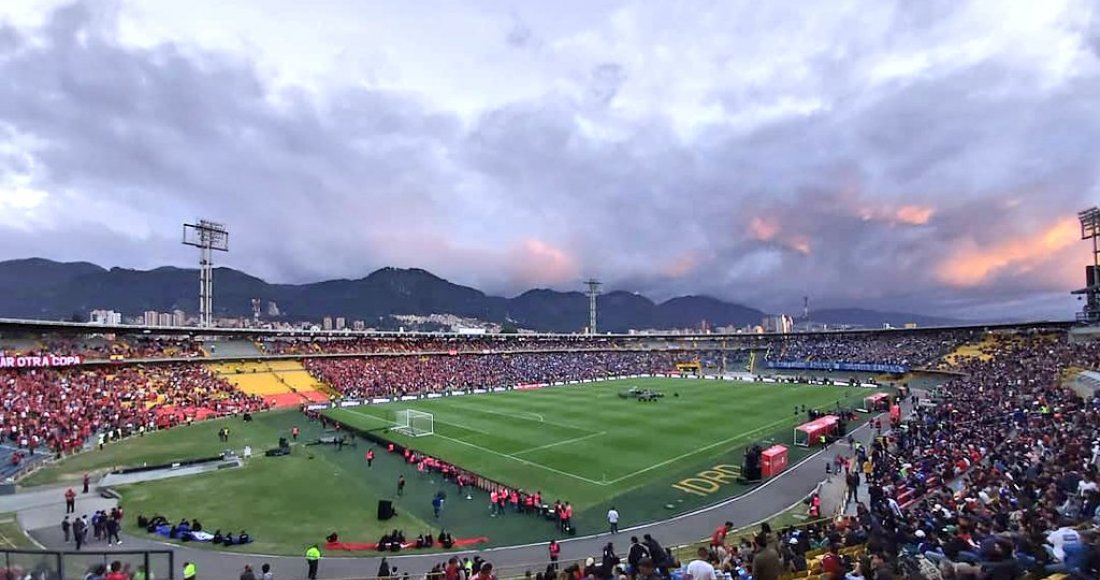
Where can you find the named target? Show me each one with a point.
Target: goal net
(414, 423)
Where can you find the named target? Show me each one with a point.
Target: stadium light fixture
(1090, 230)
(208, 237)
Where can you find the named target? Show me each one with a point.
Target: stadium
(495, 440)
(625, 290)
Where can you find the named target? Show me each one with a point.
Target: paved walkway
(40, 513)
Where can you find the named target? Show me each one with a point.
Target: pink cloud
(535, 262)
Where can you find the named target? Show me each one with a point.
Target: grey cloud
(361, 178)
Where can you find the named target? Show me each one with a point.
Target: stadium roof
(13, 325)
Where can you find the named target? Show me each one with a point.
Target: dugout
(876, 402)
(807, 434)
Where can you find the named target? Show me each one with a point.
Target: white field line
(521, 460)
(536, 416)
(698, 451)
(435, 419)
(613, 481)
(556, 443)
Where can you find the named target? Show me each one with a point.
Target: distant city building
(341, 324)
(106, 317)
(179, 318)
(910, 325)
(358, 325)
(164, 319)
(150, 318)
(326, 323)
(272, 308)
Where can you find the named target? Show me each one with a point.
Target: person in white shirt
(247, 452)
(613, 519)
(1085, 486)
(700, 569)
(1058, 540)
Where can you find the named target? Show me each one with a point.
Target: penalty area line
(556, 443)
(521, 460)
(727, 441)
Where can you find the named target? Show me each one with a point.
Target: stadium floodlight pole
(208, 237)
(593, 291)
(1090, 230)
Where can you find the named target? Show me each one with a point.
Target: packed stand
(391, 345)
(56, 410)
(403, 375)
(997, 480)
(910, 350)
(97, 348)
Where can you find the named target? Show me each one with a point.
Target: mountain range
(38, 288)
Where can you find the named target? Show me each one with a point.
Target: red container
(773, 460)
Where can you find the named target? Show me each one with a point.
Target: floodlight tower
(1090, 230)
(593, 291)
(208, 237)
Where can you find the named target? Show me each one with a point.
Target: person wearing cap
(832, 567)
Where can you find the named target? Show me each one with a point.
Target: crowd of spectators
(998, 478)
(403, 375)
(395, 345)
(114, 348)
(57, 410)
(910, 350)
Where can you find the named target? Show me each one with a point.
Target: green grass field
(580, 443)
(586, 445)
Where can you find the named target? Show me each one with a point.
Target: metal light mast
(208, 237)
(1090, 230)
(593, 291)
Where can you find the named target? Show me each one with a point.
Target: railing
(20, 564)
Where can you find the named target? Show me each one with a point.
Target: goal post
(414, 423)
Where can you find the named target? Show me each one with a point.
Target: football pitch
(578, 443)
(587, 445)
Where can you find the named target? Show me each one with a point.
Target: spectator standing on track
(313, 557)
(65, 526)
(80, 531)
(555, 553)
(87, 480)
(370, 457)
(70, 501)
(613, 519)
(400, 485)
(111, 525)
(190, 571)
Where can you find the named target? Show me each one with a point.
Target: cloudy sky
(927, 156)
